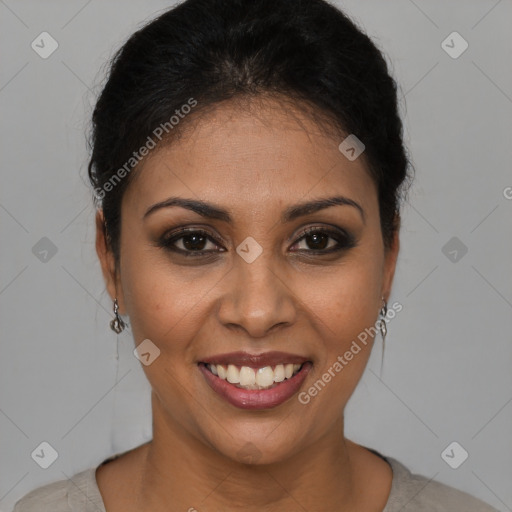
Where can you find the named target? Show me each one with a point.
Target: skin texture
(253, 162)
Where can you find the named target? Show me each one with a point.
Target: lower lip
(256, 398)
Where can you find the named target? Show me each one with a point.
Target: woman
(248, 165)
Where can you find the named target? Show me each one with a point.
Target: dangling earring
(382, 322)
(383, 328)
(117, 324)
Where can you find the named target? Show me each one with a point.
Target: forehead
(245, 155)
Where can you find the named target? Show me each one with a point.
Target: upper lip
(255, 360)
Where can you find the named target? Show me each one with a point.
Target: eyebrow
(293, 212)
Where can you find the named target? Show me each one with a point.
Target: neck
(180, 472)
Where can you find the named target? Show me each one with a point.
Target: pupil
(197, 243)
(316, 243)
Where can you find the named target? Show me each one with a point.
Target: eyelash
(344, 240)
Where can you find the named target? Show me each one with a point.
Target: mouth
(255, 381)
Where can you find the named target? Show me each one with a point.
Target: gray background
(448, 353)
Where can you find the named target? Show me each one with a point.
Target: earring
(117, 324)
(382, 322)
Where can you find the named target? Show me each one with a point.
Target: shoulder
(76, 494)
(412, 492)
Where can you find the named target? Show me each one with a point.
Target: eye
(323, 240)
(190, 242)
(317, 240)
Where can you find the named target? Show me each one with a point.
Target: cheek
(345, 298)
(164, 306)
(162, 300)
(344, 305)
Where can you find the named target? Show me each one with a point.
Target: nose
(258, 298)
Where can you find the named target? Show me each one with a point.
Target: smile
(255, 381)
(246, 377)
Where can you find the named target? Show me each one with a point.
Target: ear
(390, 259)
(107, 261)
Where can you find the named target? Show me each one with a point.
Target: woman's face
(252, 284)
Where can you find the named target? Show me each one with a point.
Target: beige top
(409, 493)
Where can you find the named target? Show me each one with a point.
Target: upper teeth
(258, 378)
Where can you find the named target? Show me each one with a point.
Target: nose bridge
(256, 298)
